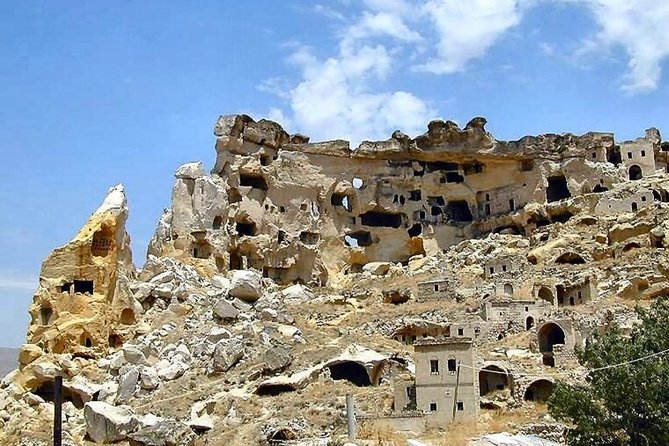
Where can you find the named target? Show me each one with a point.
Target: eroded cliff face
(300, 271)
(305, 212)
(83, 305)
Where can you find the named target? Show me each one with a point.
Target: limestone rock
(225, 310)
(106, 423)
(226, 354)
(163, 433)
(190, 171)
(246, 285)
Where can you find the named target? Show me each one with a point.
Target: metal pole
(58, 411)
(455, 394)
(350, 417)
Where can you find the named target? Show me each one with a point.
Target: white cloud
(466, 30)
(335, 98)
(641, 27)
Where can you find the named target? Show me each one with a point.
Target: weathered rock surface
(106, 423)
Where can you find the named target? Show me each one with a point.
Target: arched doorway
(549, 335)
(539, 390)
(493, 378)
(350, 371)
(508, 289)
(529, 322)
(635, 172)
(546, 294)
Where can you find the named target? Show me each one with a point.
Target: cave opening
(350, 371)
(381, 219)
(557, 189)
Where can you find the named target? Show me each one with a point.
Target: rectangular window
(594, 155)
(461, 331)
(503, 267)
(643, 153)
(492, 270)
(433, 407)
(461, 405)
(434, 366)
(629, 155)
(452, 365)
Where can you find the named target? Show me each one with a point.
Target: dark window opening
(415, 230)
(402, 200)
(309, 238)
(245, 228)
(86, 341)
(265, 160)
(255, 181)
(281, 236)
(382, 219)
(548, 360)
(83, 286)
(435, 210)
(236, 260)
(436, 201)
(415, 195)
(459, 211)
(613, 155)
(361, 238)
(201, 250)
(66, 287)
(461, 405)
(350, 371)
(433, 407)
(545, 294)
(487, 208)
(643, 153)
(599, 189)
(629, 155)
(218, 222)
(512, 205)
(472, 168)
(440, 165)
(451, 365)
(529, 323)
(635, 207)
(434, 366)
(635, 173)
(461, 331)
(46, 315)
(282, 209)
(341, 200)
(557, 189)
(454, 177)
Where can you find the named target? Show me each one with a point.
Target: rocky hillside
(443, 281)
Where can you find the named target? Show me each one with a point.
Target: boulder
(276, 358)
(148, 378)
(226, 354)
(218, 333)
(126, 385)
(170, 370)
(297, 293)
(106, 423)
(189, 171)
(201, 415)
(163, 433)
(225, 310)
(133, 355)
(246, 285)
(377, 268)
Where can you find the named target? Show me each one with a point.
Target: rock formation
(296, 272)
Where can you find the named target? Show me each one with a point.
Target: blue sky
(97, 93)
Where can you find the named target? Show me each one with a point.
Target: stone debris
(106, 423)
